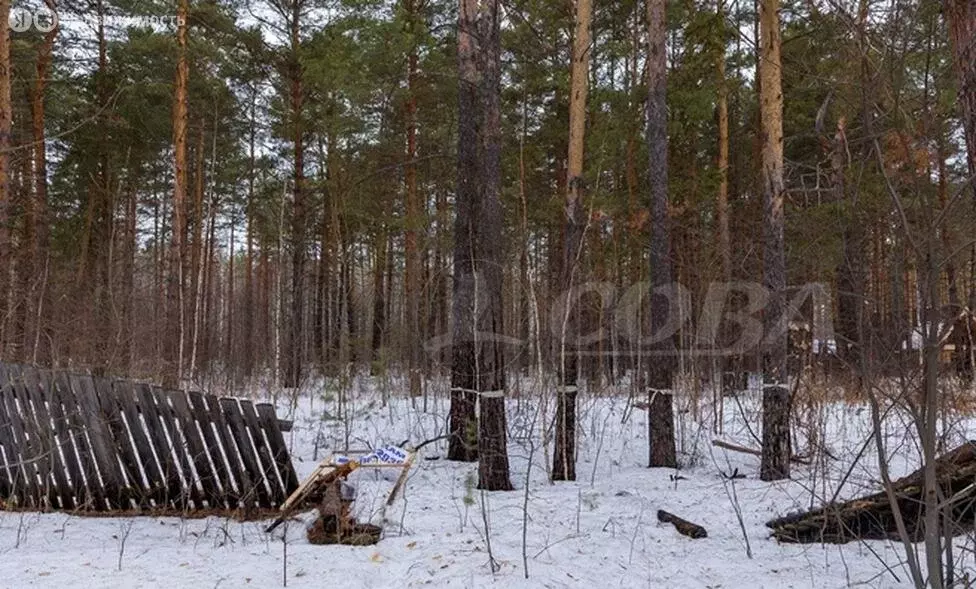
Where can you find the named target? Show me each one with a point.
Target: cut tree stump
(871, 517)
(683, 526)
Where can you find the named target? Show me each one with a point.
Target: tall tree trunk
(379, 297)
(129, 269)
(441, 321)
(564, 457)
(493, 470)
(37, 304)
(249, 331)
(173, 366)
(775, 462)
(5, 144)
(477, 368)
(297, 97)
(662, 364)
(413, 217)
(850, 273)
(960, 17)
(197, 251)
(728, 360)
(103, 221)
(464, 364)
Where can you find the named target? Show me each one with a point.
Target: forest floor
(600, 531)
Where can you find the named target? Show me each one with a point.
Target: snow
(599, 531)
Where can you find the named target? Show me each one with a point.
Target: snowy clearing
(601, 530)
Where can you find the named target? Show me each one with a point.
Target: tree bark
(477, 367)
(685, 527)
(564, 457)
(775, 463)
(196, 290)
(661, 369)
(414, 221)
(37, 306)
(960, 18)
(296, 339)
(379, 297)
(249, 286)
(173, 360)
(5, 144)
(728, 361)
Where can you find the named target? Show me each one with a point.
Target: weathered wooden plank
(279, 450)
(161, 445)
(196, 448)
(38, 471)
(72, 470)
(237, 469)
(125, 396)
(690, 529)
(88, 488)
(57, 480)
(6, 446)
(269, 469)
(180, 447)
(102, 444)
(235, 420)
(198, 406)
(12, 472)
(129, 465)
(6, 472)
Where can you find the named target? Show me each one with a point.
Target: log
(871, 517)
(692, 530)
(754, 452)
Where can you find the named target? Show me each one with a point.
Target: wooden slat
(269, 469)
(235, 420)
(180, 447)
(38, 472)
(125, 396)
(56, 480)
(279, 450)
(238, 470)
(88, 491)
(198, 407)
(128, 457)
(196, 448)
(15, 471)
(157, 437)
(76, 484)
(102, 443)
(7, 473)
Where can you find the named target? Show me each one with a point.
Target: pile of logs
(872, 517)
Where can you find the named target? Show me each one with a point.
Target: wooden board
(279, 450)
(235, 421)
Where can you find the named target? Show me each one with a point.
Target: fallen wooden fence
(77, 442)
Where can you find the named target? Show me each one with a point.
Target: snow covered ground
(600, 531)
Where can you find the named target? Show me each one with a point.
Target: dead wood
(754, 452)
(692, 530)
(871, 516)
